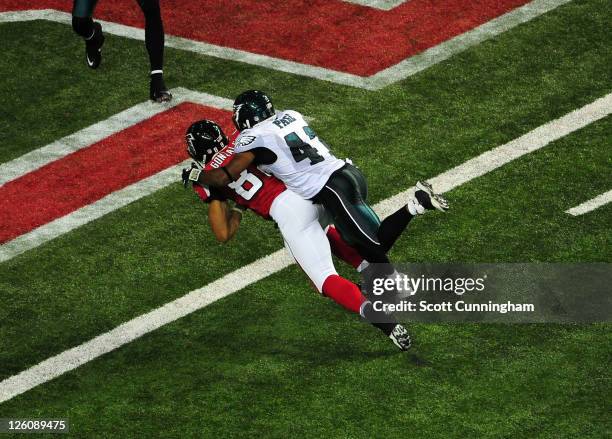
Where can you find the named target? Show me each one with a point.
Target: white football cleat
(426, 199)
(400, 337)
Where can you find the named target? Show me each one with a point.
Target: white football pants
(305, 238)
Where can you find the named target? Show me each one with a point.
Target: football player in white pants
(284, 145)
(297, 219)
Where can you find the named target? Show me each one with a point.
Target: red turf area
(326, 33)
(91, 173)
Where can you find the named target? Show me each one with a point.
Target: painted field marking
(383, 78)
(460, 43)
(385, 5)
(85, 176)
(94, 133)
(81, 139)
(72, 358)
(592, 204)
(114, 200)
(90, 212)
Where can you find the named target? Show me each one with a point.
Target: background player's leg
(83, 25)
(154, 41)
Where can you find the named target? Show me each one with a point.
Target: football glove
(191, 174)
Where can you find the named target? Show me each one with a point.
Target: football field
(120, 312)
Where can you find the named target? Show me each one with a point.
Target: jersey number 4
(301, 150)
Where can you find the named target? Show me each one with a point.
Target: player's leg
(394, 225)
(343, 196)
(341, 249)
(90, 31)
(298, 222)
(154, 41)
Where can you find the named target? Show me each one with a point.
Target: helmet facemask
(204, 139)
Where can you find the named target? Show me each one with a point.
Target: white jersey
(298, 157)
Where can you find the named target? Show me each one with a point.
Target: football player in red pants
(297, 220)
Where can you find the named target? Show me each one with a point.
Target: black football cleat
(158, 92)
(93, 47)
(400, 337)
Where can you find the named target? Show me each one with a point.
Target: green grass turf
(276, 359)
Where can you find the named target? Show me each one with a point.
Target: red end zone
(327, 33)
(89, 174)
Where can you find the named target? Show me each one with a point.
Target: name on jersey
(220, 157)
(284, 121)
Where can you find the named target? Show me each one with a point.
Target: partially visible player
(297, 220)
(91, 31)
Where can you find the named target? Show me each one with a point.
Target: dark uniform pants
(344, 197)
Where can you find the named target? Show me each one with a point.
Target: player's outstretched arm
(224, 221)
(222, 176)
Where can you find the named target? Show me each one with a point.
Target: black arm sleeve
(263, 156)
(216, 194)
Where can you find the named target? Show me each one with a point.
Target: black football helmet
(250, 108)
(204, 139)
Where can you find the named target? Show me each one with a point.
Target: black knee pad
(82, 26)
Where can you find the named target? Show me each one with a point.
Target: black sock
(157, 82)
(386, 323)
(393, 226)
(154, 32)
(83, 26)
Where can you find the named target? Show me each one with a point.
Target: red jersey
(253, 189)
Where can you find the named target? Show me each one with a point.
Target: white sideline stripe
(385, 5)
(197, 47)
(241, 278)
(90, 212)
(131, 330)
(81, 139)
(390, 75)
(114, 200)
(117, 199)
(592, 204)
(88, 136)
(496, 157)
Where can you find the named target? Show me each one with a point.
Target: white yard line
(385, 5)
(114, 200)
(458, 44)
(388, 76)
(249, 274)
(588, 206)
(88, 136)
(81, 139)
(91, 212)
(530, 142)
